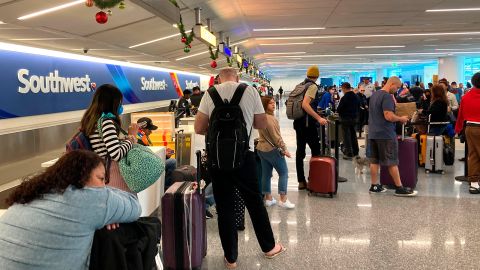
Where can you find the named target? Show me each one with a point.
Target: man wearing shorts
(382, 137)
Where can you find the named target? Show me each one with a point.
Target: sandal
(474, 190)
(271, 256)
(230, 265)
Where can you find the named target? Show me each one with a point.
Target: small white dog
(361, 163)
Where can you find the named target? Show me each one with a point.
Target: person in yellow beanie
(306, 127)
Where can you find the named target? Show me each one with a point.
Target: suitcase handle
(198, 154)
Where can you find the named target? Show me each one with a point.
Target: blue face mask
(120, 110)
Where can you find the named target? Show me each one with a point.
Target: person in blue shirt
(52, 217)
(327, 99)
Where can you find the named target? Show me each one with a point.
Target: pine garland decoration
(104, 4)
(213, 56)
(188, 38)
(229, 61)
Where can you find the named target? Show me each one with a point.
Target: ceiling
(348, 24)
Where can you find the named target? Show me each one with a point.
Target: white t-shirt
(369, 89)
(250, 103)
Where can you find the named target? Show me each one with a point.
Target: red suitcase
(184, 238)
(407, 164)
(323, 173)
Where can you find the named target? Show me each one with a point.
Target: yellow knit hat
(313, 72)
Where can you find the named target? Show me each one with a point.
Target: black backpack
(227, 139)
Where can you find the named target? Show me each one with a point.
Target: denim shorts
(383, 151)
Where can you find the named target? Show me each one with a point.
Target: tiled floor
(356, 230)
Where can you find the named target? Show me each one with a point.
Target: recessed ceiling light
(452, 9)
(285, 44)
(156, 40)
(49, 10)
(377, 47)
(284, 53)
(37, 39)
(370, 35)
(287, 29)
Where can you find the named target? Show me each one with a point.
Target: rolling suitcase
(422, 148)
(434, 162)
(407, 164)
(184, 173)
(323, 173)
(184, 238)
(183, 147)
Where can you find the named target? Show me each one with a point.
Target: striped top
(109, 144)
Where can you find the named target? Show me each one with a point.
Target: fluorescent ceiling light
(287, 29)
(371, 35)
(37, 39)
(286, 44)
(452, 9)
(239, 42)
(370, 54)
(270, 59)
(49, 10)
(377, 47)
(150, 61)
(156, 40)
(81, 57)
(286, 53)
(124, 56)
(92, 49)
(192, 55)
(2, 22)
(457, 49)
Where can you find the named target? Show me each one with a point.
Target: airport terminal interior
(57, 55)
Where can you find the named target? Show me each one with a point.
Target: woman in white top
(107, 104)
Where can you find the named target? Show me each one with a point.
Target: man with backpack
(301, 107)
(227, 114)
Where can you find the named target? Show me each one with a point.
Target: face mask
(120, 110)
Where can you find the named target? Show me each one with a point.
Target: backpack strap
(216, 98)
(237, 97)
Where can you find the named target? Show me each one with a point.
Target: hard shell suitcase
(407, 164)
(323, 173)
(184, 238)
(184, 173)
(183, 147)
(434, 162)
(422, 147)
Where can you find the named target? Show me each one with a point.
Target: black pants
(350, 142)
(305, 135)
(246, 181)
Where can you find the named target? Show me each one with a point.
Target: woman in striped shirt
(107, 103)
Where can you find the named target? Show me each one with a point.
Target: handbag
(141, 168)
(280, 150)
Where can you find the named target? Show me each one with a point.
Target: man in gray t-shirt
(382, 139)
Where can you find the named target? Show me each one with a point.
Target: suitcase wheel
(331, 195)
(427, 171)
(309, 193)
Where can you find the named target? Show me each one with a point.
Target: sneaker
(377, 189)
(287, 204)
(302, 185)
(404, 192)
(269, 203)
(208, 214)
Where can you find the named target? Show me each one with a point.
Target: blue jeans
(170, 166)
(270, 160)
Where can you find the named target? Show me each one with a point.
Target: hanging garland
(103, 4)
(213, 56)
(229, 61)
(185, 39)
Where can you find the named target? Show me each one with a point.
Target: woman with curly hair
(53, 216)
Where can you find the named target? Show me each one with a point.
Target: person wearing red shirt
(470, 113)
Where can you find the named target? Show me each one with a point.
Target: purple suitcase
(407, 164)
(184, 238)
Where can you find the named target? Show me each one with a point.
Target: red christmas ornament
(101, 17)
(213, 64)
(184, 39)
(89, 3)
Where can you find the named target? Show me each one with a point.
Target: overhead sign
(35, 84)
(207, 37)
